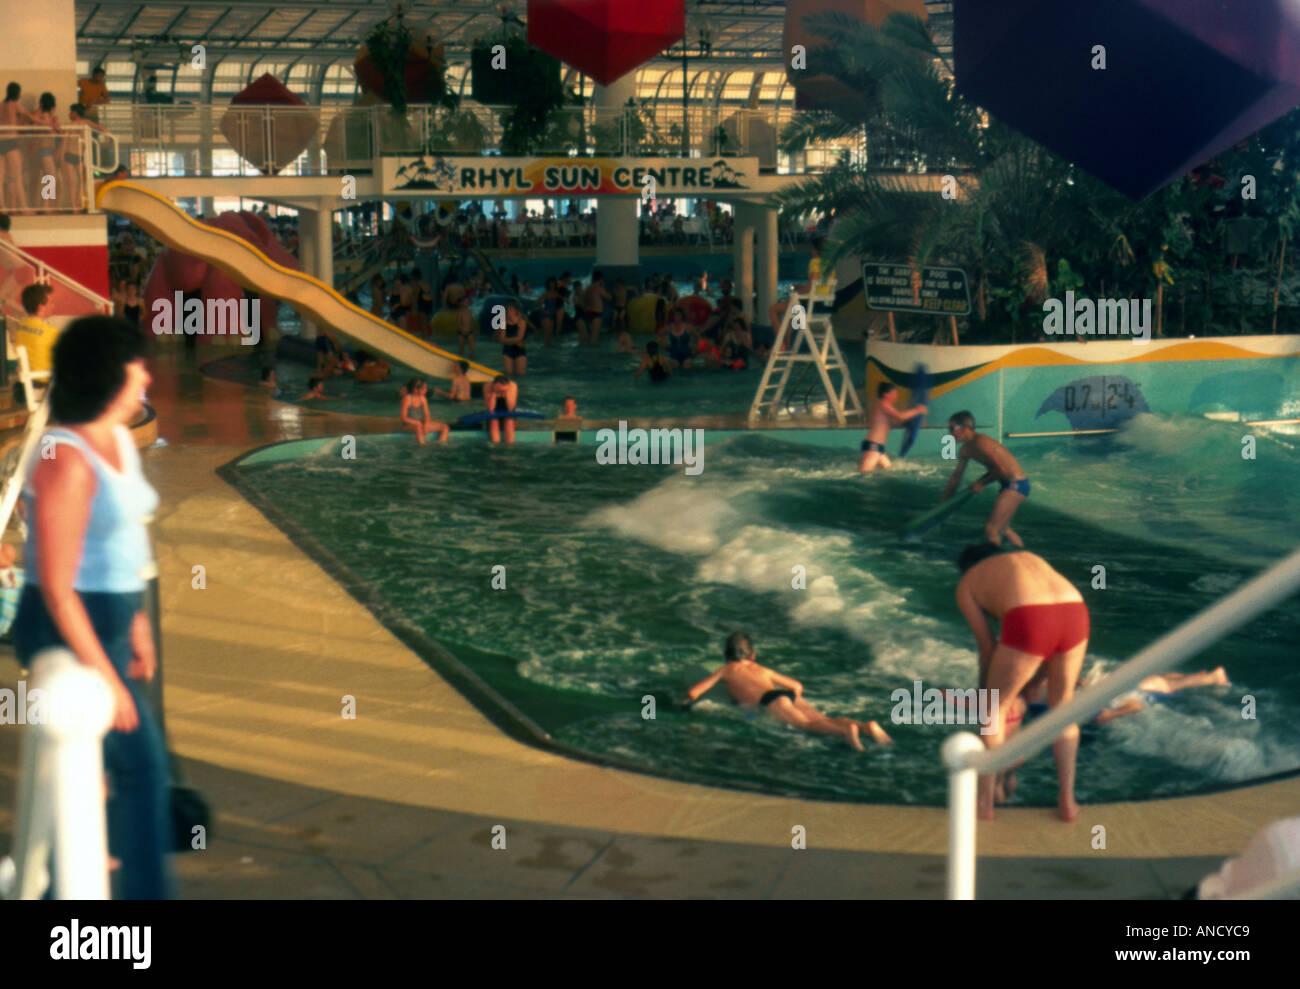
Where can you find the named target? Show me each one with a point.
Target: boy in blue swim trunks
(884, 417)
(782, 696)
(1002, 467)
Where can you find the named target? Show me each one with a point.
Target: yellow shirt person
(34, 332)
(819, 285)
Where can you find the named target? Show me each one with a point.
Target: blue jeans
(139, 810)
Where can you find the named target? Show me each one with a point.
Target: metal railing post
(61, 785)
(963, 783)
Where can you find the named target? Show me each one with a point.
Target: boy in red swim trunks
(1045, 626)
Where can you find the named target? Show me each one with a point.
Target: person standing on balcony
(13, 189)
(86, 558)
(93, 93)
(46, 145)
(74, 149)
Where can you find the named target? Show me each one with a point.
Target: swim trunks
(513, 350)
(71, 159)
(1021, 486)
(870, 446)
(772, 695)
(1046, 629)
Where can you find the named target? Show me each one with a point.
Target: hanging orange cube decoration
(605, 39)
(814, 90)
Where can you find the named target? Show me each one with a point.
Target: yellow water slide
(248, 266)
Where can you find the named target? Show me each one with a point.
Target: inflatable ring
(444, 323)
(641, 313)
(695, 308)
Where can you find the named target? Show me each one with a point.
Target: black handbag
(190, 809)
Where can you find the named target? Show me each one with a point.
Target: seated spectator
(33, 332)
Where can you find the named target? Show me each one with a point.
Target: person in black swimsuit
(781, 696)
(512, 336)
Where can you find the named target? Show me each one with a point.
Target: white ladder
(38, 416)
(821, 351)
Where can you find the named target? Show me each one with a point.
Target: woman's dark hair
(413, 385)
(12, 92)
(47, 102)
(90, 359)
(314, 382)
(267, 372)
(976, 553)
(739, 646)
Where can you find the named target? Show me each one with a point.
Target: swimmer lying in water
(751, 684)
(1032, 703)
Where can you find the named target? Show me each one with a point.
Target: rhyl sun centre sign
(433, 175)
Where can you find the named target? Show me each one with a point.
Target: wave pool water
(622, 582)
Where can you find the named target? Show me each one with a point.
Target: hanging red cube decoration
(815, 90)
(1137, 92)
(269, 140)
(605, 39)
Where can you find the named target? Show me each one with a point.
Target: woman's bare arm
(65, 487)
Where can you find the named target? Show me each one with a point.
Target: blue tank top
(116, 554)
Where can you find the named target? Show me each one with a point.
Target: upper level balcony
(174, 140)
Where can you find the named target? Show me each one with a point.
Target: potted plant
(527, 83)
(401, 68)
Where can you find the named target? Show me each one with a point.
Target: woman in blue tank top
(88, 504)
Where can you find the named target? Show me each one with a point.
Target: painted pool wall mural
(1017, 391)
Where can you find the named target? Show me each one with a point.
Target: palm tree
(1018, 207)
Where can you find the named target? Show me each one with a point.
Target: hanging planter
(403, 66)
(528, 84)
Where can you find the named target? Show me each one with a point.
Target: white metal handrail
(966, 757)
(45, 274)
(38, 417)
(181, 138)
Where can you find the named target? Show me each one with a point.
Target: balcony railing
(47, 171)
(221, 140)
